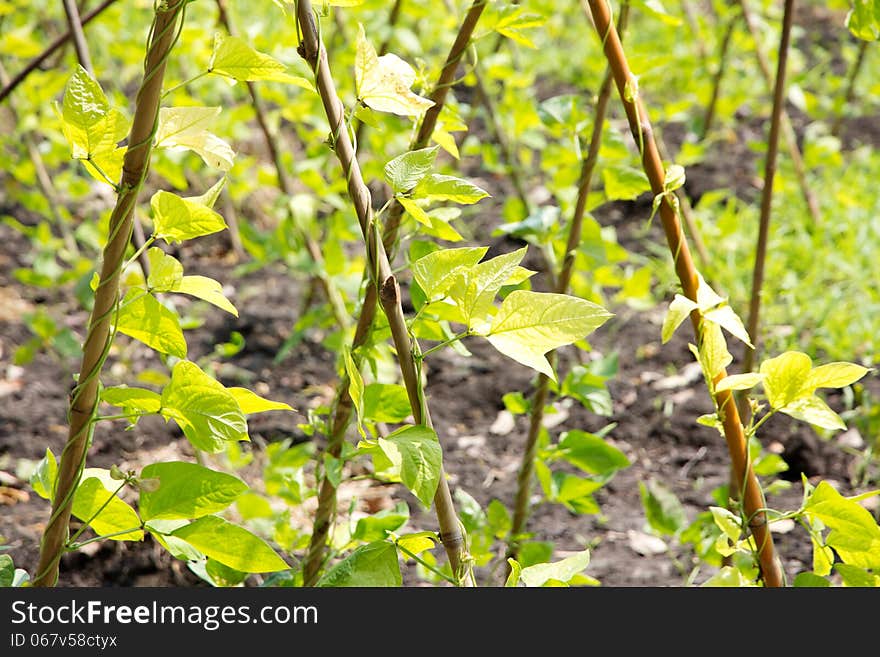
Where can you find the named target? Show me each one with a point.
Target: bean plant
(363, 195)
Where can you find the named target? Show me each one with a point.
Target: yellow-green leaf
(563, 571)
(383, 83)
(113, 515)
(185, 128)
(473, 290)
(417, 458)
(143, 318)
(835, 375)
(177, 219)
(207, 413)
(235, 58)
(355, 389)
(529, 324)
(786, 378)
(436, 271)
(713, 354)
(739, 382)
(679, 310)
(207, 289)
(854, 533)
(251, 402)
(231, 545)
(814, 411)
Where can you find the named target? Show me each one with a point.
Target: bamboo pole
(521, 507)
(337, 304)
(640, 126)
(794, 152)
(767, 193)
(382, 278)
(84, 398)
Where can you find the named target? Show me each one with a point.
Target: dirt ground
(657, 396)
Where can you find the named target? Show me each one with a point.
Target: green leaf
(679, 310)
(231, 545)
(166, 275)
(529, 324)
(251, 402)
(415, 210)
(674, 178)
(515, 573)
(712, 355)
(165, 270)
(386, 402)
(810, 580)
(115, 516)
(591, 453)
(623, 183)
(724, 316)
(7, 571)
(814, 411)
(89, 124)
(417, 543)
(383, 83)
(437, 187)
(376, 527)
(206, 289)
(355, 389)
(415, 453)
(144, 318)
(211, 194)
(728, 576)
(560, 571)
(663, 511)
(863, 20)
(856, 577)
(473, 289)
(133, 400)
(187, 490)
(435, 272)
(786, 378)
(177, 219)
(498, 517)
(853, 534)
(729, 524)
(739, 382)
(184, 128)
(405, 171)
(835, 375)
(514, 21)
(45, 476)
(207, 413)
(371, 565)
(221, 575)
(234, 58)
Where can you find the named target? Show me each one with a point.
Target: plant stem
(794, 152)
(312, 51)
(850, 94)
(343, 407)
(709, 116)
(78, 36)
(640, 127)
(524, 479)
(337, 304)
(694, 26)
(31, 66)
(767, 193)
(84, 398)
